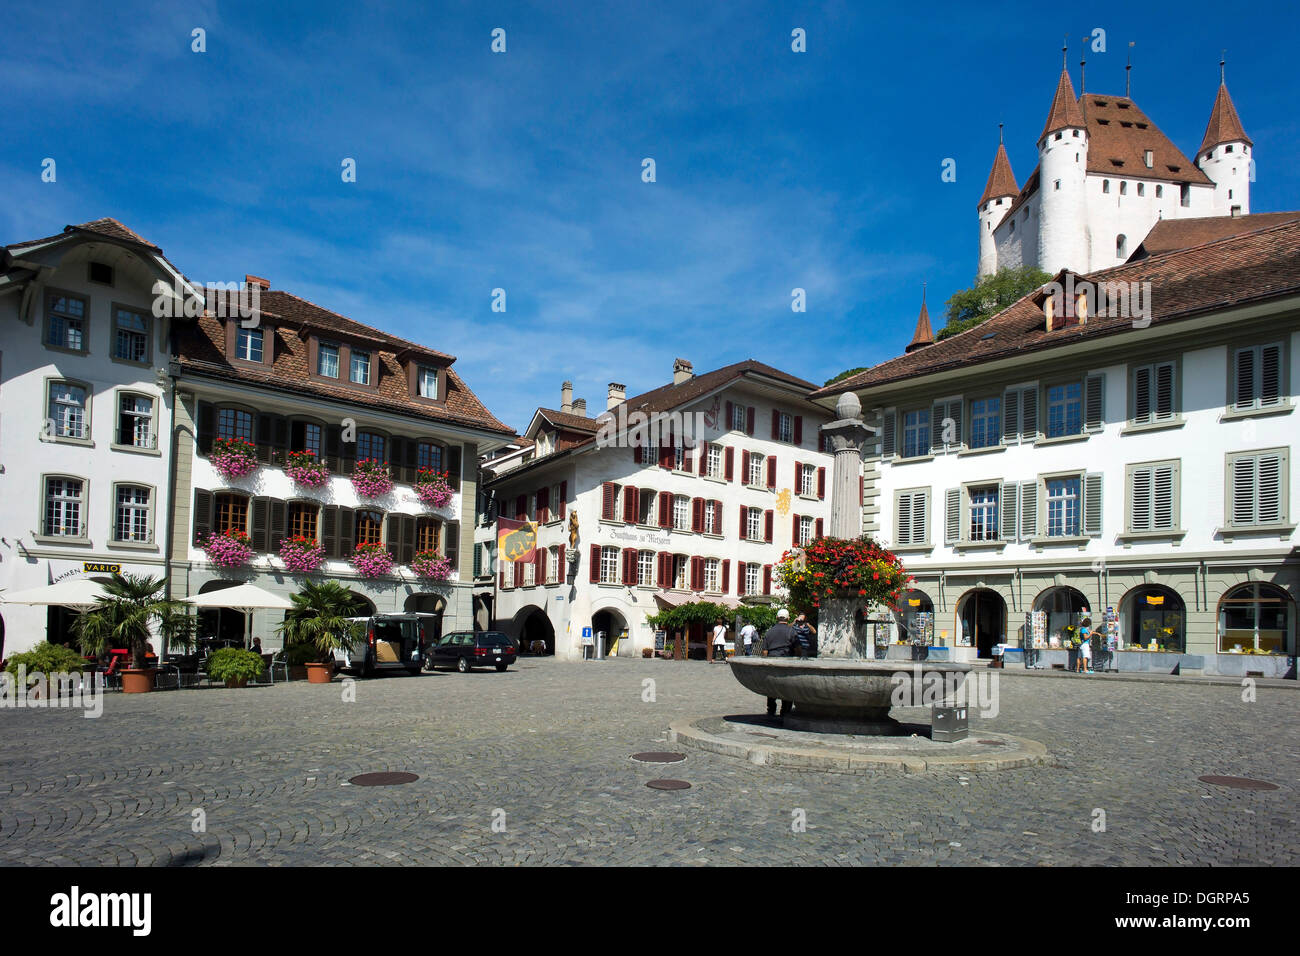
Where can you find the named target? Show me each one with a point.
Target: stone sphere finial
(848, 407)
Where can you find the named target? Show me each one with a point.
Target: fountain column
(837, 631)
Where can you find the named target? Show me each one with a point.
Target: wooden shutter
(397, 460)
(665, 509)
(749, 421)
(798, 478)
(1245, 378)
(347, 531)
(771, 471)
(265, 436)
(744, 467)
(543, 504)
(1094, 402)
(1140, 499)
(903, 519)
(407, 542)
(1092, 504)
(920, 517)
(631, 504)
(661, 576)
(817, 529)
(1028, 509)
(798, 429)
(794, 537)
(729, 463)
(1269, 497)
(697, 574)
(1008, 503)
(501, 577)
(704, 458)
(564, 498)
(1029, 413)
(821, 483)
(726, 577)
(954, 412)
(666, 456)
(1142, 405)
(717, 518)
(329, 530)
(332, 448)
(393, 527)
(450, 542)
(767, 526)
(561, 570)
(1010, 415)
(862, 491)
(767, 579)
(1270, 374)
(279, 525)
(730, 415)
(637, 454)
(776, 418)
(936, 429)
(411, 459)
(697, 515)
(1164, 391)
(206, 427)
(593, 573)
(888, 423)
(744, 515)
(952, 516)
(347, 455)
(202, 513)
(453, 467)
(261, 522)
(1164, 505)
(521, 507)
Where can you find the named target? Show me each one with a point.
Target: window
(1013, 227)
(359, 370)
(645, 568)
(1153, 393)
(1064, 409)
(1057, 185)
(230, 514)
(805, 530)
(648, 504)
(558, 503)
(679, 458)
(1255, 616)
(1257, 376)
(609, 569)
(248, 345)
(984, 513)
(784, 427)
(130, 335)
(1123, 188)
(327, 360)
(1105, 185)
(1185, 197)
(66, 322)
(1149, 158)
(985, 422)
(1062, 506)
(1142, 189)
(135, 421)
(756, 463)
(911, 523)
(302, 521)
(369, 526)
(713, 463)
(1257, 485)
(67, 410)
(808, 480)
(100, 272)
(507, 574)
(553, 564)
(738, 418)
(371, 445)
(428, 535)
(712, 572)
(63, 498)
(681, 513)
(306, 436)
(429, 455)
(428, 382)
(1121, 246)
(234, 423)
(754, 524)
(1153, 497)
(131, 522)
(679, 572)
(753, 579)
(712, 517)
(1160, 192)
(530, 573)
(916, 432)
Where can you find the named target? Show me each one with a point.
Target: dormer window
(1057, 136)
(427, 379)
(1074, 133)
(327, 360)
(1149, 157)
(359, 368)
(248, 345)
(1228, 148)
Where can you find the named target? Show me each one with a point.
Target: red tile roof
(1170, 234)
(104, 227)
(1225, 125)
(1065, 108)
(923, 335)
(1119, 135)
(577, 423)
(1002, 181)
(1257, 266)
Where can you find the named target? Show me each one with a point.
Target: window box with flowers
(228, 549)
(306, 469)
(431, 566)
(372, 478)
(233, 457)
(433, 487)
(372, 561)
(301, 555)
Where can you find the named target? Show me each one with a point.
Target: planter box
(1263, 665)
(1157, 662)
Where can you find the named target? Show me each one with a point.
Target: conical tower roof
(924, 335)
(1065, 111)
(1225, 125)
(1002, 181)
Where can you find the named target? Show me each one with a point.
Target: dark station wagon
(468, 649)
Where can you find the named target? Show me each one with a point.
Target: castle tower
(999, 193)
(1063, 235)
(1226, 155)
(923, 335)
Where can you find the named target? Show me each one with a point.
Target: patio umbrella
(80, 594)
(243, 597)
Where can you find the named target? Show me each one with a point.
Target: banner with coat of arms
(516, 540)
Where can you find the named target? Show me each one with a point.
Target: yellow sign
(1155, 599)
(915, 602)
(90, 567)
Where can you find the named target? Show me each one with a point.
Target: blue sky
(522, 170)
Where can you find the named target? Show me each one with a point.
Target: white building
(1056, 461)
(86, 401)
(666, 524)
(1106, 174)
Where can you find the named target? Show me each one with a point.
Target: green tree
(989, 295)
(843, 375)
(319, 619)
(123, 617)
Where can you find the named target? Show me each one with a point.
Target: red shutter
(697, 515)
(665, 509)
(776, 417)
(540, 498)
(726, 576)
(821, 483)
(767, 579)
(594, 572)
(744, 467)
(749, 421)
(608, 501)
(730, 415)
(862, 491)
(798, 429)
(740, 578)
(729, 464)
(697, 574)
(539, 564)
(659, 564)
(502, 582)
(631, 505)
(687, 460)
(771, 471)
(521, 507)
(704, 458)
(767, 526)
(717, 518)
(629, 565)
(561, 572)
(666, 456)
(564, 498)
(817, 529)
(744, 513)
(798, 477)
(794, 537)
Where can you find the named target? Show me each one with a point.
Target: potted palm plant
(123, 617)
(319, 620)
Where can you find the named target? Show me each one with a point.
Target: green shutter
(1008, 504)
(1092, 504)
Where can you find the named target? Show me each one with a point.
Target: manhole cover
(1239, 783)
(386, 779)
(659, 756)
(668, 785)
(994, 743)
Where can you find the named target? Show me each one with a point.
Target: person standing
(779, 641)
(747, 635)
(719, 641)
(1085, 647)
(807, 636)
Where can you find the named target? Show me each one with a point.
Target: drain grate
(385, 779)
(659, 756)
(1239, 783)
(668, 785)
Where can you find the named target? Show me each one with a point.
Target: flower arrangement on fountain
(233, 457)
(301, 554)
(228, 549)
(372, 478)
(372, 561)
(835, 567)
(431, 566)
(433, 487)
(306, 469)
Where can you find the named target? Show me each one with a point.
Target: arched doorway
(220, 626)
(362, 606)
(482, 612)
(1153, 613)
(428, 604)
(1257, 616)
(616, 639)
(915, 617)
(981, 620)
(536, 633)
(1064, 606)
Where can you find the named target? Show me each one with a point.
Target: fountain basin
(835, 695)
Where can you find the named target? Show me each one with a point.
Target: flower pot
(236, 682)
(138, 680)
(320, 673)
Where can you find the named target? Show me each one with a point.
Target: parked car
(389, 642)
(467, 649)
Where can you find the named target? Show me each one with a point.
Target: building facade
(1051, 465)
(629, 523)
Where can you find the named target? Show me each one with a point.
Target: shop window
(1256, 618)
(1153, 618)
(915, 617)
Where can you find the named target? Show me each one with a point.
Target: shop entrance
(1064, 607)
(982, 620)
(615, 633)
(915, 617)
(536, 633)
(1153, 615)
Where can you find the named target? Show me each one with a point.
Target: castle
(1106, 174)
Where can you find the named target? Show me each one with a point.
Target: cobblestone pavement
(549, 744)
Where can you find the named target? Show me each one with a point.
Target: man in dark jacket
(807, 636)
(779, 641)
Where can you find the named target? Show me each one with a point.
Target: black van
(468, 649)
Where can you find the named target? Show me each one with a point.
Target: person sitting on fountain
(779, 641)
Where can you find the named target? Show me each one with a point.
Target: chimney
(683, 371)
(617, 396)
(250, 281)
(566, 398)
(580, 407)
